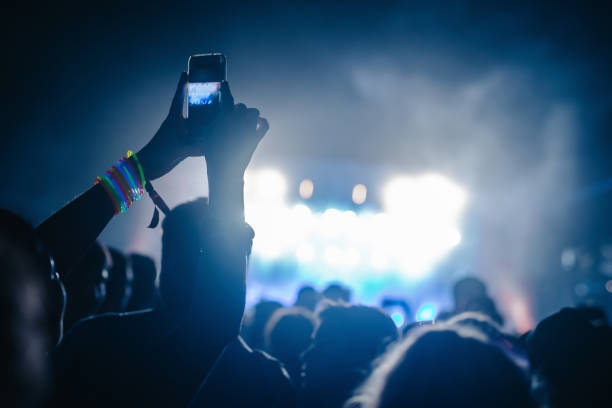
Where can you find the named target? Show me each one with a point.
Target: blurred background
(411, 143)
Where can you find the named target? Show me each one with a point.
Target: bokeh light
(360, 193)
(306, 189)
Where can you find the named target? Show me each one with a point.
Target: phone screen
(203, 93)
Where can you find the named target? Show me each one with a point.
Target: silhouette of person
(337, 293)
(160, 357)
(571, 358)
(86, 285)
(308, 298)
(443, 366)
(32, 306)
(288, 334)
(246, 377)
(144, 289)
(118, 284)
(345, 344)
(255, 322)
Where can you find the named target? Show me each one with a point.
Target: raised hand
(231, 140)
(172, 143)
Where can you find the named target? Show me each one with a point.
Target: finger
(252, 114)
(240, 109)
(262, 127)
(251, 117)
(176, 108)
(227, 100)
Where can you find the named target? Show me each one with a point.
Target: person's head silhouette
(31, 314)
(348, 338)
(144, 288)
(337, 293)
(444, 366)
(288, 334)
(572, 357)
(308, 298)
(21, 234)
(119, 283)
(86, 284)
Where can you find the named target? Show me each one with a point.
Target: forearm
(226, 197)
(68, 233)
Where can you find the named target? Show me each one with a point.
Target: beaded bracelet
(124, 182)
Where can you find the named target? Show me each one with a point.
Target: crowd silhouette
(88, 325)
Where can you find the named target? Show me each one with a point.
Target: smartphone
(205, 73)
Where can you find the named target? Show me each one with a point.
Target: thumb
(176, 108)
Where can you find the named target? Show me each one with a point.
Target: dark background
(511, 100)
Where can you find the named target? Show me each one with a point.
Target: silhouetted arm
(68, 233)
(228, 238)
(71, 230)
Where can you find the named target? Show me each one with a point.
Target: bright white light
(419, 227)
(266, 248)
(268, 185)
(431, 196)
(333, 255)
(331, 222)
(351, 257)
(306, 189)
(379, 260)
(360, 193)
(305, 253)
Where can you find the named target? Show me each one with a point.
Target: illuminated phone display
(203, 93)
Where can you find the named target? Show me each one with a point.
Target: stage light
(379, 260)
(333, 255)
(609, 286)
(306, 189)
(267, 249)
(351, 257)
(331, 223)
(426, 312)
(360, 193)
(267, 185)
(430, 196)
(305, 253)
